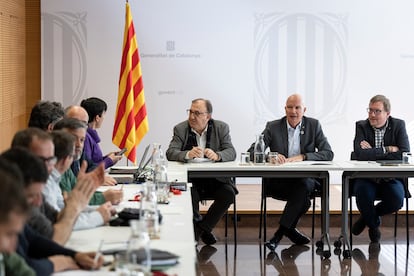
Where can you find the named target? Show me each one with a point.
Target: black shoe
(274, 242)
(293, 252)
(208, 238)
(296, 237)
(358, 226)
(374, 234)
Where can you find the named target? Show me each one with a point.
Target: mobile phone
(121, 151)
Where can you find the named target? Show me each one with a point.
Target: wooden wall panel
(19, 64)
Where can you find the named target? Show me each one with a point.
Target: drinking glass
(272, 157)
(245, 158)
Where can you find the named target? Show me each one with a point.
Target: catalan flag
(131, 122)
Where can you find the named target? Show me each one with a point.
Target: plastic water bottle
(156, 154)
(161, 182)
(149, 211)
(259, 150)
(138, 251)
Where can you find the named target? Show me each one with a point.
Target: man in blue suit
(296, 138)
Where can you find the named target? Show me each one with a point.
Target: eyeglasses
(195, 113)
(375, 111)
(49, 160)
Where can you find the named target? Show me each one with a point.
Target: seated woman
(96, 109)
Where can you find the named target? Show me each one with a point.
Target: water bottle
(259, 150)
(149, 211)
(161, 183)
(156, 154)
(158, 160)
(138, 250)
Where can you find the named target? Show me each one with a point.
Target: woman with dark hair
(96, 109)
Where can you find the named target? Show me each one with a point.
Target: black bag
(128, 214)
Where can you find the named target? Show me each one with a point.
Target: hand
(365, 145)
(97, 175)
(196, 152)
(106, 211)
(109, 181)
(81, 194)
(113, 196)
(211, 154)
(61, 263)
(282, 159)
(296, 158)
(115, 158)
(392, 148)
(87, 260)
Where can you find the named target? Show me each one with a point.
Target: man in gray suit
(296, 138)
(200, 138)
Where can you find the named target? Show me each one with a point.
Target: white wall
(246, 56)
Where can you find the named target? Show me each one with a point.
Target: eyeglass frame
(375, 111)
(49, 160)
(196, 113)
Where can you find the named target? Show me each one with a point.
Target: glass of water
(273, 158)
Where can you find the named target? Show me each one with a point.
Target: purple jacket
(92, 150)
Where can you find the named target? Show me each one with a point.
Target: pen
(98, 254)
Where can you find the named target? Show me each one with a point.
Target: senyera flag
(131, 122)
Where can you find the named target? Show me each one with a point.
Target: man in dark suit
(202, 137)
(295, 138)
(380, 137)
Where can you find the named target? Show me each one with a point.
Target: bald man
(296, 138)
(78, 112)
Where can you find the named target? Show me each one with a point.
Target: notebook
(390, 162)
(158, 257)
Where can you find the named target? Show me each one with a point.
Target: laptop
(140, 168)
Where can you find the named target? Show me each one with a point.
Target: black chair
(263, 209)
(407, 195)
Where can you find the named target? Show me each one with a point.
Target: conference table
(364, 169)
(177, 234)
(314, 169)
(176, 231)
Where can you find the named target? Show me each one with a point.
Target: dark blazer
(313, 142)
(395, 135)
(220, 142)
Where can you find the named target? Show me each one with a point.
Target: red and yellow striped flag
(131, 122)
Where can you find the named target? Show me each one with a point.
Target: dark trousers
(296, 192)
(211, 189)
(390, 192)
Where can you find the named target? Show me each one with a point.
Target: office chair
(407, 195)
(263, 209)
